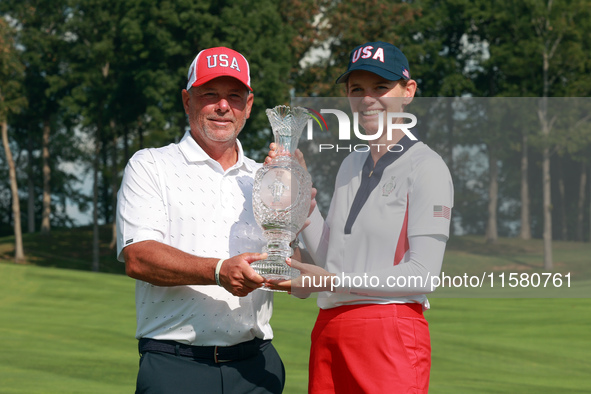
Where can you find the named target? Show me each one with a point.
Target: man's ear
(186, 97)
(249, 101)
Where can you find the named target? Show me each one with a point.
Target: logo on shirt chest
(388, 187)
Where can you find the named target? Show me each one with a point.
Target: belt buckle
(215, 356)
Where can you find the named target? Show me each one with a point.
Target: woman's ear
(411, 88)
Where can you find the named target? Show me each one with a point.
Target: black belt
(217, 354)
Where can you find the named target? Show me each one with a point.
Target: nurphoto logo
(344, 129)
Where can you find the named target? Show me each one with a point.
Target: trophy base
(274, 270)
(274, 290)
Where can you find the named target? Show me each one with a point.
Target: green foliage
(114, 71)
(341, 26)
(149, 47)
(520, 33)
(12, 99)
(41, 46)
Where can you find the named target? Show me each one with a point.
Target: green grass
(510, 345)
(72, 331)
(65, 331)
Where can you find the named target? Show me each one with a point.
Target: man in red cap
(187, 234)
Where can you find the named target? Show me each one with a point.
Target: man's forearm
(164, 265)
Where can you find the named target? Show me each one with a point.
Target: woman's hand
(312, 279)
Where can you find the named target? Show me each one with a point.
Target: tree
(95, 26)
(494, 25)
(338, 27)
(549, 32)
(555, 32)
(128, 63)
(577, 143)
(11, 101)
(431, 33)
(41, 42)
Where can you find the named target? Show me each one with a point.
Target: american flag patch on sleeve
(441, 211)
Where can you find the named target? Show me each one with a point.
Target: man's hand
(238, 277)
(273, 153)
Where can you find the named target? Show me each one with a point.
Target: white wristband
(217, 272)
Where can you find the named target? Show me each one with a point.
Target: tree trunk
(95, 193)
(105, 194)
(561, 190)
(581, 203)
(30, 188)
(547, 196)
(114, 185)
(525, 232)
(19, 254)
(95, 176)
(45, 223)
(493, 194)
(546, 181)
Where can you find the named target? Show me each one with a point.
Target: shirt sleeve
(414, 277)
(430, 199)
(141, 213)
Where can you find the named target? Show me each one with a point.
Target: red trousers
(370, 349)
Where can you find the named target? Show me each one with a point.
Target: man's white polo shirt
(414, 197)
(181, 197)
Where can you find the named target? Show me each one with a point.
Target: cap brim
(210, 77)
(389, 75)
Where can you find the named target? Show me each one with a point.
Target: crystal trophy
(282, 194)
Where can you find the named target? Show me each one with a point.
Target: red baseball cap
(218, 62)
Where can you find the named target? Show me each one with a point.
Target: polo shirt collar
(371, 176)
(193, 152)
